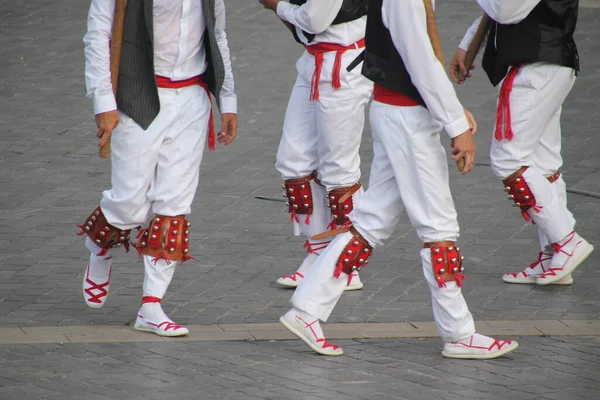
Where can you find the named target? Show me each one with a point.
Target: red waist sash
(167, 83)
(318, 50)
(393, 98)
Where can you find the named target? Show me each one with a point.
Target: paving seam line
(274, 332)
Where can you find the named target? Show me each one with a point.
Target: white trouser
(157, 276)
(156, 170)
(560, 188)
(536, 99)
(320, 217)
(324, 134)
(409, 170)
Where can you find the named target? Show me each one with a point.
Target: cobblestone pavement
(548, 368)
(51, 178)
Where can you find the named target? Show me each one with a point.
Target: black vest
(382, 63)
(546, 35)
(351, 10)
(137, 94)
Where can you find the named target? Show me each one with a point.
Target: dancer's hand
(464, 146)
(472, 122)
(458, 69)
(229, 126)
(106, 123)
(269, 4)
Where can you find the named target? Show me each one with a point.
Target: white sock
(477, 339)
(542, 266)
(99, 270)
(154, 313)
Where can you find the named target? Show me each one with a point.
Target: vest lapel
(149, 18)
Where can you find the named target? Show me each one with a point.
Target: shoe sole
(159, 333)
(287, 285)
(354, 287)
(305, 340)
(482, 357)
(548, 281)
(91, 305)
(533, 282)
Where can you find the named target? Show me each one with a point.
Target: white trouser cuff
(450, 311)
(157, 276)
(320, 291)
(95, 249)
(554, 219)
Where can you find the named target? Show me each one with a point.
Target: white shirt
(502, 11)
(316, 17)
(405, 19)
(179, 52)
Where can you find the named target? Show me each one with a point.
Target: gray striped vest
(137, 93)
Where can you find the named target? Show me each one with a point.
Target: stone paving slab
(560, 368)
(269, 332)
(51, 179)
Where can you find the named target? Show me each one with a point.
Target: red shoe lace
(500, 343)
(169, 324)
(319, 340)
(313, 248)
(497, 343)
(96, 297)
(293, 276)
(350, 278)
(516, 274)
(558, 248)
(327, 344)
(540, 260)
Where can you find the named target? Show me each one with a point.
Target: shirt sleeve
(407, 25)
(468, 38)
(314, 16)
(508, 11)
(228, 97)
(97, 55)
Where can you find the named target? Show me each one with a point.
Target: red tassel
(102, 253)
(316, 78)
(161, 256)
(295, 217)
(441, 283)
(459, 278)
(187, 258)
(307, 219)
(338, 270)
(350, 279)
(503, 117)
(83, 232)
(337, 68)
(211, 129)
(138, 247)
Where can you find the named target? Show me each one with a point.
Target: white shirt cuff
(457, 127)
(104, 103)
(228, 105)
(466, 42)
(282, 7)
